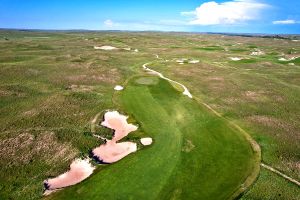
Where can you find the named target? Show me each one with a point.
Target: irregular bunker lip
(80, 169)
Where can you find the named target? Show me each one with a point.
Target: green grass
(181, 163)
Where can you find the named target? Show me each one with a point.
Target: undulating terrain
(53, 84)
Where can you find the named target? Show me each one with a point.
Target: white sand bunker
(79, 170)
(112, 151)
(194, 61)
(118, 88)
(146, 141)
(288, 59)
(235, 58)
(106, 48)
(114, 120)
(181, 61)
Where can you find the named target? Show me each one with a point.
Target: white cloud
(288, 21)
(109, 23)
(230, 12)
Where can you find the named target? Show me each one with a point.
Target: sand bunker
(79, 170)
(146, 141)
(288, 59)
(111, 151)
(257, 52)
(182, 60)
(118, 87)
(106, 48)
(235, 58)
(194, 61)
(114, 120)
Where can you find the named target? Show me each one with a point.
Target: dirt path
(280, 174)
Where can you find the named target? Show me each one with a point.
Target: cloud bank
(288, 21)
(230, 12)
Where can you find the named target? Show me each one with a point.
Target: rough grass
(56, 82)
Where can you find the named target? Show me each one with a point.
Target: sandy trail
(185, 92)
(280, 174)
(79, 170)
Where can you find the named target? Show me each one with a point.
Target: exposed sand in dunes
(118, 87)
(146, 141)
(106, 48)
(118, 122)
(111, 151)
(79, 170)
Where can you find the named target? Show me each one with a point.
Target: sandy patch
(118, 88)
(288, 59)
(146, 141)
(114, 120)
(127, 49)
(111, 151)
(257, 52)
(194, 61)
(136, 50)
(182, 60)
(79, 170)
(106, 48)
(235, 58)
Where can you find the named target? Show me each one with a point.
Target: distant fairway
(195, 154)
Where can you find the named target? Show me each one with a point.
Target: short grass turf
(195, 154)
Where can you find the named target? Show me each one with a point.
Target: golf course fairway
(195, 154)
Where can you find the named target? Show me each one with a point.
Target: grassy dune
(195, 155)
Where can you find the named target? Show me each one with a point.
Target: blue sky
(242, 16)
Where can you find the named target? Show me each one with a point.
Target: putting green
(195, 154)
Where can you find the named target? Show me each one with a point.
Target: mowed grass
(195, 154)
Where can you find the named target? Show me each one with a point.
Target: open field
(53, 84)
